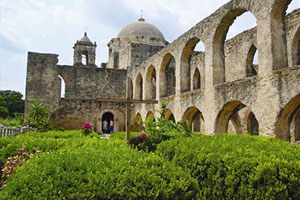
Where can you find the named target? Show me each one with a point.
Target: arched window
(194, 117)
(84, 58)
(252, 124)
(196, 79)
(192, 48)
(138, 117)
(62, 87)
(139, 87)
(130, 88)
(151, 83)
(150, 116)
(225, 31)
(251, 63)
(232, 119)
(167, 76)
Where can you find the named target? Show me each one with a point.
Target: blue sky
(53, 26)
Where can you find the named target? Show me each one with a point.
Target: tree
(3, 108)
(13, 102)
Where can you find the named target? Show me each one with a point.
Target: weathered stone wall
(72, 113)
(85, 83)
(141, 52)
(42, 81)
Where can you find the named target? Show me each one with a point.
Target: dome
(141, 28)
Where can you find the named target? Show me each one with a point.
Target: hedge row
(238, 167)
(36, 141)
(99, 169)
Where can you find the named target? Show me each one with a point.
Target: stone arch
(139, 87)
(218, 44)
(196, 79)
(195, 118)
(150, 84)
(185, 68)
(138, 117)
(296, 48)
(251, 69)
(119, 120)
(229, 113)
(285, 118)
(167, 78)
(150, 115)
(169, 115)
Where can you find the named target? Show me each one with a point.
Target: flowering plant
(144, 136)
(86, 127)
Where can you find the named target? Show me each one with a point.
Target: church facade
(219, 90)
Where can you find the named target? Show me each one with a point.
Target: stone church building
(218, 90)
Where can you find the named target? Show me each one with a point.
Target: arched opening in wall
(252, 124)
(167, 76)
(139, 87)
(107, 120)
(292, 6)
(287, 126)
(296, 48)
(62, 87)
(150, 116)
(84, 58)
(252, 62)
(169, 115)
(195, 119)
(278, 33)
(236, 24)
(150, 84)
(138, 117)
(237, 118)
(196, 79)
(189, 51)
(130, 88)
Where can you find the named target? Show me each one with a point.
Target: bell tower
(85, 52)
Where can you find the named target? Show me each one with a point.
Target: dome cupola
(141, 29)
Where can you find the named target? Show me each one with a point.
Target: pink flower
(86, 125)
(144, 135)
(137, 124)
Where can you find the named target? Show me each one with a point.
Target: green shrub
(12, 122)
(238, 167)
(99, 169)
(37, 141)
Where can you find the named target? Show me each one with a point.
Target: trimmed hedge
(238, 167)
(37, 141)
(100, 169)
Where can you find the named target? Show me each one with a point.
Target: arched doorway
(106, 120)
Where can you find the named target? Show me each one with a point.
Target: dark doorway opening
(106, 120)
